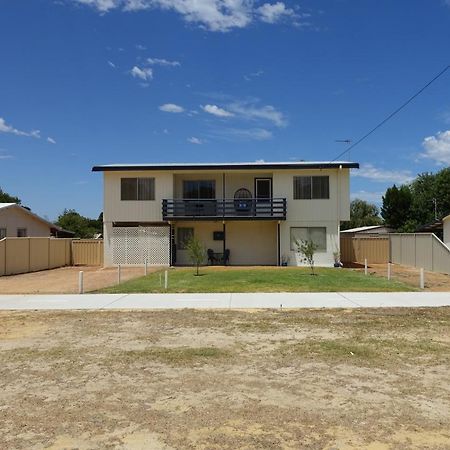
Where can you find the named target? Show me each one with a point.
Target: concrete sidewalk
(226, 301)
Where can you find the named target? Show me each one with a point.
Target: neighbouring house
(17, 221)
(243, 213)
(370, 230)
(446, 226)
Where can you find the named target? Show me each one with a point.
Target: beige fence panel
(357, 249)
(2, 256)
(22, 255)
(39, 254)
(87, 252)
(421, 250)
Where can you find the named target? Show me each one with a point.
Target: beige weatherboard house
(243, 213)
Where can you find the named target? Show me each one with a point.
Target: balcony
(219, 209)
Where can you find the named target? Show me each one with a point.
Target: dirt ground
(435, 282)
(64, 280)
(309, 379)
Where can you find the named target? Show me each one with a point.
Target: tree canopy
(362, 214)
(7, 198)
(409, 206)
(83, 227)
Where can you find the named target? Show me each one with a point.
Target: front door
(263, 189)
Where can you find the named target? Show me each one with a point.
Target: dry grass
(313, 379)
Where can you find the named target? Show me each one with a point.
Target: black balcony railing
(206, 209)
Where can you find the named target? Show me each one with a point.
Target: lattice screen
(134, 245)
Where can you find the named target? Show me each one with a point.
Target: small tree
(196, 252)
(307, 249)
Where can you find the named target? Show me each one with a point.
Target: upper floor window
(203, 189)
(307, 188)
(137, 189)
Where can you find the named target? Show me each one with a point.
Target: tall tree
(7, 198)
(83, 227)
(362, 214)
(396, 209)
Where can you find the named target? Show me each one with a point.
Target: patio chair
(226, 257)
(211, 257)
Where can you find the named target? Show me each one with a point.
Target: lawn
(188, 379)
(267, 279)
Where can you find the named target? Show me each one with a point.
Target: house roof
(230, 166)
(358, 229)
(27, 211)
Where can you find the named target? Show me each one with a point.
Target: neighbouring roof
(27, 211)
(359, 229)
(230, 166)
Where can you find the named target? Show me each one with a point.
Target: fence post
(389, 271)
(166, 279)
(118, 274)
(365, 266)
(422, 278)
(145, 267)
(80, 282)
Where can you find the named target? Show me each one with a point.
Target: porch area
(235, 243)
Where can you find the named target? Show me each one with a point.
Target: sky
(86, 82)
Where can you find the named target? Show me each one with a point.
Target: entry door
(263, 189)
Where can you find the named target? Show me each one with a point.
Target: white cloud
(162, 62)
(437, 147)
(5, 128)
(145, 74)
(51, 140)
(275, 12)
(195, 140)
(383, 176)
(253, 112)
(171, 108)
(111, 64)
(5, 155)
(213, 15)
(252, 75)
(251, 134)
(368, 196)
(216, 111)
(141, 47)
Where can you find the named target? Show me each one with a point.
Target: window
(318, 235)
(2, 233)
(21, 232)
(184, 235)
(307, 188)
(201, 189)
(137, 189)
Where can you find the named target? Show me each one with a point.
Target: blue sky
(86, 82)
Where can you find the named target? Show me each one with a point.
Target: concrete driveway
(226, 301)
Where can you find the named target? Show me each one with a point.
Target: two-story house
(243, 213)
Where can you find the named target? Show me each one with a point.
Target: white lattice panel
(135, 245)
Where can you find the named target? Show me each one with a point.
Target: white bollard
(80, 282)
(422, 279)
(389, 271)
(118, 274)
(166, 279)
(145, 268)
(365, 266)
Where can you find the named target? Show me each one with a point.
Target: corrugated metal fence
(357, 249)
(421, 250)
(21, 255)
(87, 252)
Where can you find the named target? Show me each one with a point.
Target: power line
(393, 113)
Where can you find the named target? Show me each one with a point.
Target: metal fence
(22, 255)
(421, 250)
(357, 249)
(87, 252)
